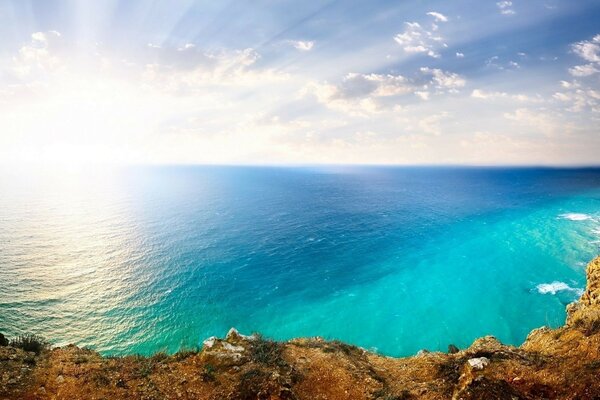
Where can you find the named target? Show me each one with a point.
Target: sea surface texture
(395, 260)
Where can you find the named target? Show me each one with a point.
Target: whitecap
(557, 286)
(575, 216)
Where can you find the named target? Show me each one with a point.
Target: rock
(3, 340)
(235, 336)
(422, 353)
(487, 343)
(479, 362)
(210, 342)
(60, 379)
(587, 309)
(233, 349)
(452, 349)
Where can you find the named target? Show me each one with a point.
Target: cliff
(561, 363)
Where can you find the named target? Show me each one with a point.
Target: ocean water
(140, 260)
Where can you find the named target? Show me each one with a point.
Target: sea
(142, 259)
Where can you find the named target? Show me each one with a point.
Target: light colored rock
(210, 342)
(233, 349)
(60, 379)
(479, 362)
(235, 335)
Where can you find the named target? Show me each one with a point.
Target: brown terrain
(561, 363)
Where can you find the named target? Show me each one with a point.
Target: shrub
(267, 352)
(33, 343)
(184, 353)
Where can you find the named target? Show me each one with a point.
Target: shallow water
(394, 259)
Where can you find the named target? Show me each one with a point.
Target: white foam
(557, 286)
(575, 216)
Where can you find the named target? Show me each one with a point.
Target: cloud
(359, 94)
(579, 99)
(189, 69)
(484, 95)
(505, 7)
(497, 63)
(583, 70)
(583, 94)
(364, 94)
(416, 39)
(424, 95)
(589, 50)
(539, 122)
(439, 17)
(302, 45)
(39, 57)
(433, 124)
(445, 79)
(459, 55)
(376, 84)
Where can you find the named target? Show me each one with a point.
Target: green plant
(268, 352)
(3, 340)
(184, 353)
(33, 343)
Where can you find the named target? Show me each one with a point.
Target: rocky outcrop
(561, 363)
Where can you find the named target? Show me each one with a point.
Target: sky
(300, 82)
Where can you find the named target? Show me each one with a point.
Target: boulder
(478, 363)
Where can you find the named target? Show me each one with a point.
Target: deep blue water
(394, 259)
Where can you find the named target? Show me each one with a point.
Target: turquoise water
(392, 259)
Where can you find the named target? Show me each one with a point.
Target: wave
(575, 216)
(557, 286)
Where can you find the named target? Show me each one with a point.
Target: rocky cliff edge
(561, 363)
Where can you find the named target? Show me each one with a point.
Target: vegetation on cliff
(561, 363)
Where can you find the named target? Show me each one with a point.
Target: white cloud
(579, 99)
(373, 84)
(537, 121)
(459, 55)
(190, 69)
(364, 94)
(589, 50)
(39, 57)
(445, 79)
(303, 45)
(582, 95)
(416, 39)
(583, 70)
(433, 124)
(484, 95)
(424, 95)
(505, 7)
(439, 17)
(496, 62)
(359, 94)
